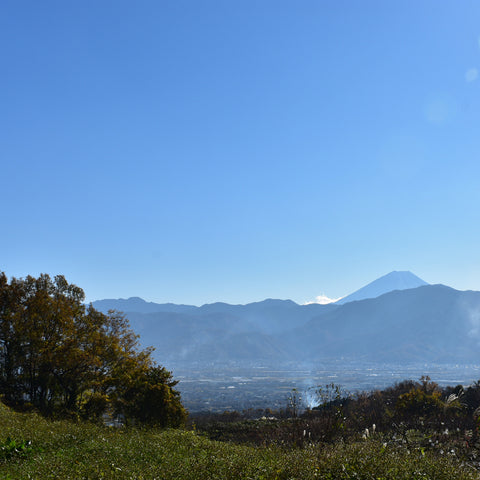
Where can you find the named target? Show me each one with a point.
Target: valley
(240, 357)
(229, 388)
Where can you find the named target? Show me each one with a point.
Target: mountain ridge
(430, 323)
(395, 280)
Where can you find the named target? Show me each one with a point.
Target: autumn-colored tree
(62, 357)
(149, 398)
(425, 399)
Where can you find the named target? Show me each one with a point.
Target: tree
(149, 398)
(65, 358)
(424, 400)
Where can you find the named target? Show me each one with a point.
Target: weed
(13, 449)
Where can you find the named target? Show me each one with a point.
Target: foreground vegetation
(65, 367)
(65, 359)
(34, 447)
(414, 413)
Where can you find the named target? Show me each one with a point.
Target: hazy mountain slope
(267, 316)
(388, 283)
(429, 323)
(180, 336)
(217, 331)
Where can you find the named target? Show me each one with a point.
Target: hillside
(219, 332)
(431, 323)
(33, 447)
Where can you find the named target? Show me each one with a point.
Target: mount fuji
(388, 283)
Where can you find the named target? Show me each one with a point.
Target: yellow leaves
(63, 352)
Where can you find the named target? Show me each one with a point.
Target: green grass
(34, 448)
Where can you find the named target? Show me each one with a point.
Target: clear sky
(233, 150)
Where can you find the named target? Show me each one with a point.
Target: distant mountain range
(392, 281)
(398, 317)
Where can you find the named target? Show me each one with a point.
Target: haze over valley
(249, 355)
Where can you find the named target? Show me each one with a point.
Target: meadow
(33, 447)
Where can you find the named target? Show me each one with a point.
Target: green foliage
(149, 398)
(93, 405)
(65, 359)
(13, 449)
(74, 451)
(419, 402)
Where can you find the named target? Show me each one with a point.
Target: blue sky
(201, 151)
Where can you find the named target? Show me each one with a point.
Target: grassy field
(35, 448)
